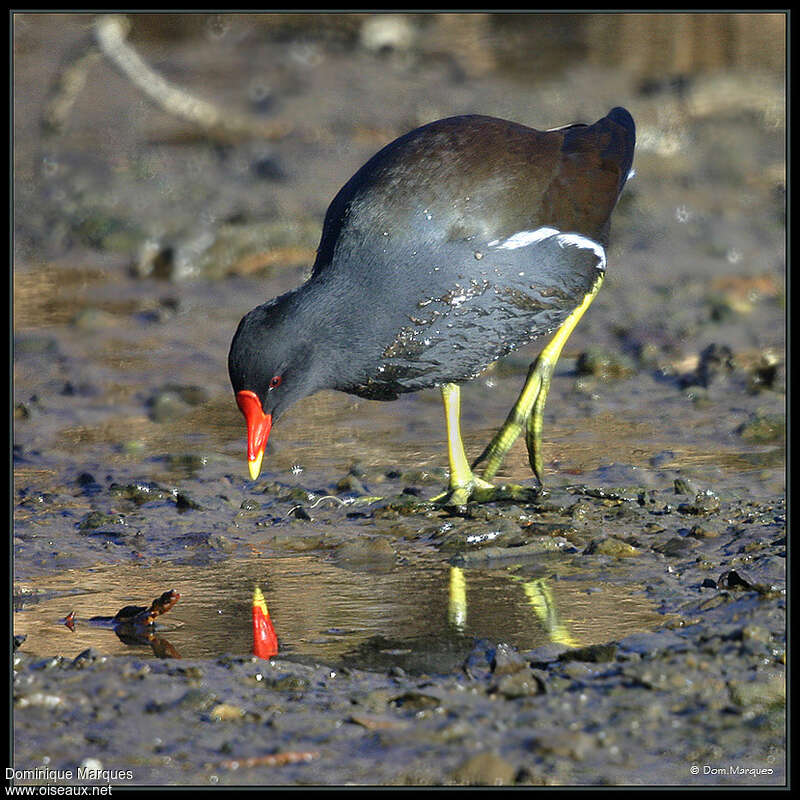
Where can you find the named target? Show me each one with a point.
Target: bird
(455, 244)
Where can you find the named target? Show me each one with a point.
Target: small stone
(605, 365)
(716, 361)
(415, 701)
(611, 546)
(299, 512)
(565, 744)
(675, 547)
(166, 407)
(350, 483)
(704, 503)
(756, 633)
(40, 699)
(88, 656)
(594, 653)
(196, 699)
(684, 486)
(97, 519)
(703, 532)
(363, 550)
(763, 428)
(185, 503)
(507, 660)
(374, 722)
(735, 580)
(520, 684)
(226, 712)
(757, 692)
(764, 374)
(221, 543)
(93, 319)
(485, 769)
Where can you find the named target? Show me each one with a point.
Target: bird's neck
(328, 318)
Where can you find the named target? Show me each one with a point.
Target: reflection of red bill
(265, 640)
(69, 621)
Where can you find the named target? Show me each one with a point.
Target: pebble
(365, 550)
(675, 546)
(564, 744)
(704, 503)
(99, 519)
(226, 712)
(94, 319)
(763, 428)
(485, 769)
(519, 684)
(604, 364)
(507, 660)
(758, 692)
(593, 653)
(611, 546)
(41, 699)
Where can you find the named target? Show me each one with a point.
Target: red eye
(275, 382)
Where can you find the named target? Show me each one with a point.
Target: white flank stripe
(527, 238)
(576, 240)
(524, 238)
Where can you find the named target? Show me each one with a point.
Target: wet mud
(625, 626)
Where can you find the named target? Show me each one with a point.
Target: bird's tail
(623, 139)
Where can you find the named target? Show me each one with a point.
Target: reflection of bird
(539, 597)
(457, 605)
(452, 246)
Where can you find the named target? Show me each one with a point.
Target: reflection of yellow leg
(457, 610)
(530, 404)
(541, 599)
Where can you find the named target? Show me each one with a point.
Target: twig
(270, 760)
(110, 32)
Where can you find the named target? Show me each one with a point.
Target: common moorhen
(453, 245)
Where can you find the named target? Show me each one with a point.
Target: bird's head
(270, 369)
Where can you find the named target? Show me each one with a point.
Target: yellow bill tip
(259, 601)
(255, 465)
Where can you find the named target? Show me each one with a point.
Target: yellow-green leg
(529, 408)
(464, 485)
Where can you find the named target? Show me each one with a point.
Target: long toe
(481, 491)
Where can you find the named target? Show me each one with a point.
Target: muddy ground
(627, 626)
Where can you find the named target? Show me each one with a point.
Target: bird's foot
(478, 490)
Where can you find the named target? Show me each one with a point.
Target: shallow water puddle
(423, 615)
